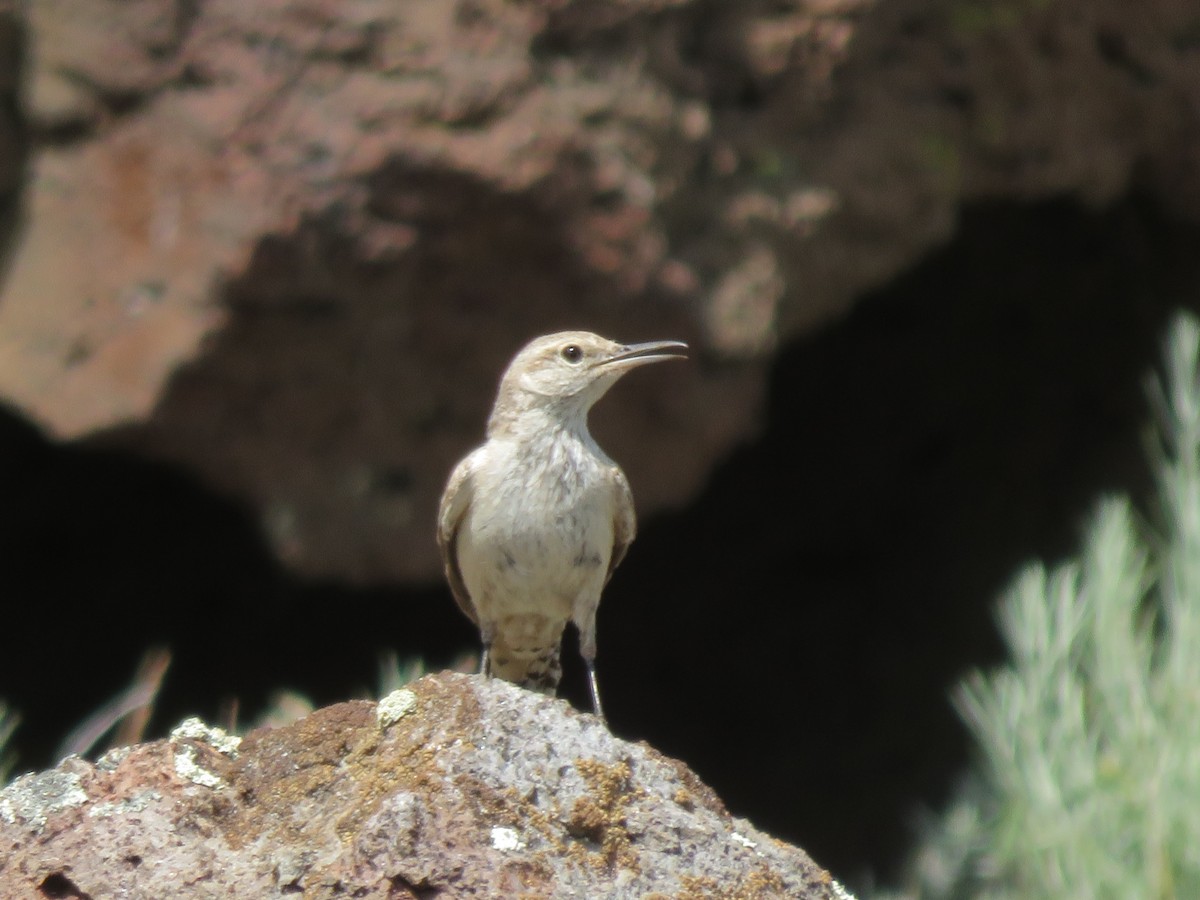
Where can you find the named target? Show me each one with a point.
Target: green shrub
(1087, 782)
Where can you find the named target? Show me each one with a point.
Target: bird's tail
(538, 669)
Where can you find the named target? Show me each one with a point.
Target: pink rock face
(291, 245)
(463, 787)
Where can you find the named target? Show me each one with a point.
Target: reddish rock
(291, 245)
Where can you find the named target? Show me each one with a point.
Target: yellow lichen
(599, 816)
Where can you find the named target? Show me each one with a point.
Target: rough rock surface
(291, 244)
(455, 787)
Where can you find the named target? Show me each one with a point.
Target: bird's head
(574, 369)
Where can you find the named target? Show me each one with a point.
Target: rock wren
(534, 521)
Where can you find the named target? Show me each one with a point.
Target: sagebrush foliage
(1087, 783)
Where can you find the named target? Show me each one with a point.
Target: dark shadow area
(105, 554)
(792, 635)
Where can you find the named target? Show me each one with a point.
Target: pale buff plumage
(533, 522)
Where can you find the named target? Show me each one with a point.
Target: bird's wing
(456, 500)
(624, 520)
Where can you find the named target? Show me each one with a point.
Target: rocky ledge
(454, 787)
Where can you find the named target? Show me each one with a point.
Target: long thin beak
(651, 351)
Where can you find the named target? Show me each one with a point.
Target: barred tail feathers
(536, 668)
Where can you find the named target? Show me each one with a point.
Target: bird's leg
(595, 688)
(587, 649)
(487, 634)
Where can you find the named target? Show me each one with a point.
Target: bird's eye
(572, 353)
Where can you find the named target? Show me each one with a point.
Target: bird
(533, 521)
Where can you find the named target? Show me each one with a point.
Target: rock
(454, 787)
(290, 246)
